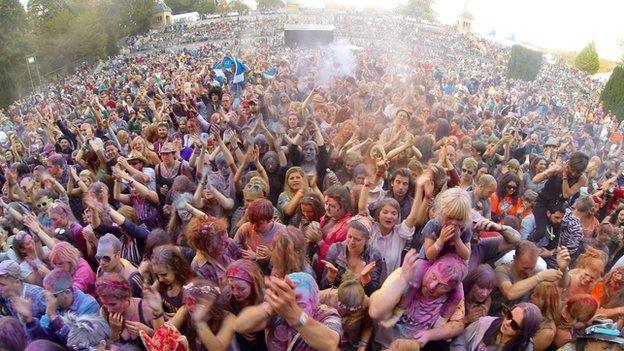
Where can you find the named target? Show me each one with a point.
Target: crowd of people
(405, 197)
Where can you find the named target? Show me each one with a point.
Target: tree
(587, 60)
(180, 6)
(269, 4)
(422, 9)
(205, 6)
(524, 63)
(613, 93)
(16, 45)
(238, 6)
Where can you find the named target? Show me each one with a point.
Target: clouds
(557, 24)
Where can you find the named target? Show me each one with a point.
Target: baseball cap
(10, 268)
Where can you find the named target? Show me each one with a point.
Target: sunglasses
(56, 294)
(512, 187)
(470, 172)
(42, 204)
(514, 325)
(103, 258)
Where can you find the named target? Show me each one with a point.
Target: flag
(270, 73)
(234, 65)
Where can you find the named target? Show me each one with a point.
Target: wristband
(437, 247)
(539, 280)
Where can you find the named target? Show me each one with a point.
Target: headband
(364, 221)
(234, 272)
(206, 289)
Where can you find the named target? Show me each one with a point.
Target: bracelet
(539, 280)
(159, 315)
(437, 247)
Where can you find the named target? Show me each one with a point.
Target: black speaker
(298, 35)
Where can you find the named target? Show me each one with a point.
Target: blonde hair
(455, 203)
(287, 189)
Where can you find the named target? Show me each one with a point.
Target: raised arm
(384, 300)
(226, 152)
(150, 195)
(35, 227)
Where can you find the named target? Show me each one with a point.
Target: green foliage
(524, 63)
(15, 46)
(587, 60)
(180, 6)
(205, 6)
(613, 93)
(269, 4)
(422, 9)
(238, 6)
(62, 34)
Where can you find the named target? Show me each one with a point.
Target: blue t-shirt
(432, 231)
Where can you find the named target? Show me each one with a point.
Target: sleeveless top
(161, 180)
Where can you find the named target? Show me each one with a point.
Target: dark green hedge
(524, 63)
(613, 93)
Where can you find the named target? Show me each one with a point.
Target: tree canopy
(269, 4)
(587, 60)
(422, 9)
(62, 34)
(613, 93)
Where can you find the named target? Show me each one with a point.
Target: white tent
(185, 17)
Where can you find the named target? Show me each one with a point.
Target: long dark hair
(171, 257)
(501, 190)
(528, 328)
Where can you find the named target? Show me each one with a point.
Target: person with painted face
(30, 255)
(313, 157)
(144, 200)
(226, 167)
(295, 187)
(245, 287)
(408, 308)
(127, 315)
(351, 302)
(292, 315)
(61, 298)
(67, 257)
(206, 322)
(513, 331)
(396, 134)
(110, 262)
(214, 249)
(255, 237)
(172, 271)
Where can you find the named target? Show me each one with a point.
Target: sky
(553, 24)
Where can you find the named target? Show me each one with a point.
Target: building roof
(467, 15)
(160, 6)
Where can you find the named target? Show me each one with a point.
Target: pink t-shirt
(84, 277)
